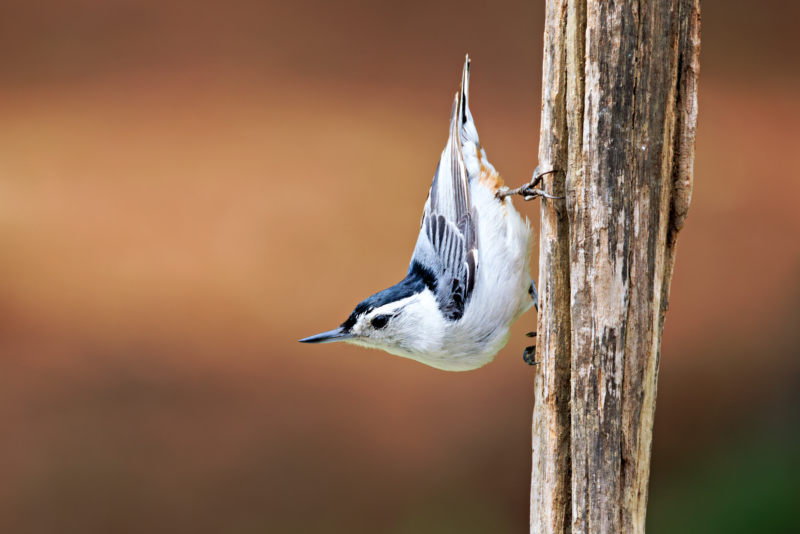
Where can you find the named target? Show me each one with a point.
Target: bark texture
(619, 111)
(550, 487)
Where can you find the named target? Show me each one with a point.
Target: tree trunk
(619, 110)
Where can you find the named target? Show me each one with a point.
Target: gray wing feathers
(450, 221)
(456, 262)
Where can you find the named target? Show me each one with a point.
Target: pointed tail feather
(474, 156)
(458, 171)
(463, 112)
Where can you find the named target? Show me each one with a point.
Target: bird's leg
(529, 191)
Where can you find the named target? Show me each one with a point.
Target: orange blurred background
(187, 188)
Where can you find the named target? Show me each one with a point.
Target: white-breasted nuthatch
(469, 278)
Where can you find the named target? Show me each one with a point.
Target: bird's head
(402, 320)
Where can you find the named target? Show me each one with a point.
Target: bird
(469, 276)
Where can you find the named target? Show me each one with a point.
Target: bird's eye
(379, 321)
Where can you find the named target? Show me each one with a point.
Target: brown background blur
(187, 188)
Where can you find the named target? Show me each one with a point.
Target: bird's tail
(471, 148)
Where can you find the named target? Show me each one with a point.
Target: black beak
(329, 337)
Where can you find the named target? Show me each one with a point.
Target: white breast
(501, 290)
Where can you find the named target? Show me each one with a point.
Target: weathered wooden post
(619, 111)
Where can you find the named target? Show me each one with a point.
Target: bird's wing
(447, 247)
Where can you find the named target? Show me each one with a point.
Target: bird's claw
(530, 191)
(530, 194)
(529, 355)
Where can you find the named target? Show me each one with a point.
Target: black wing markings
(450, 222)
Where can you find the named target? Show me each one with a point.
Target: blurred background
(187, 188)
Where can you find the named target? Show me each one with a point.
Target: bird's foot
(529, 355)
(530, 191)
(530, 352)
